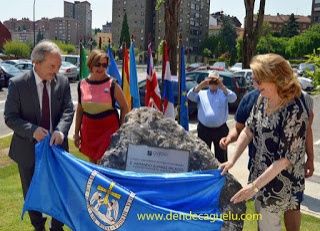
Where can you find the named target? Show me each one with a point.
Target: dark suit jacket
(22, 114)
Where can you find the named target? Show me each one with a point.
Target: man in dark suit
(38, 103)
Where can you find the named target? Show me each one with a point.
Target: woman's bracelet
(255, 188)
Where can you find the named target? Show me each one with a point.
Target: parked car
(69, 70)
(2, 80)
(235, 83)
(246, 74)
(74, 59)
(220, 66)
(190, 83)
(303, 67)
(24, 66)
(306, 83)
(236, 67)
(194, 66)
(9, 72)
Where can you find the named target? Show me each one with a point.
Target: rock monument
(146, 126)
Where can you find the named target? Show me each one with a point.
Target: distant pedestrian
(212, 98)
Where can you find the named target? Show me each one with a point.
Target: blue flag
(85, 196)
(134, 90)
(112, 68)
(183, 116)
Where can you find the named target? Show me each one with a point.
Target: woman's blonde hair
(275, 69)
(95, 57)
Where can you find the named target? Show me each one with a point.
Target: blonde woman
(277, 126)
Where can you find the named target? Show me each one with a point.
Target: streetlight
(34, 24)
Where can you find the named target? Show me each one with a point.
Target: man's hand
(40, 133)
(309, 168)
(225, 167)
(224, 142)
(56, 138)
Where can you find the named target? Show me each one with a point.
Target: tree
(39, 36)
(171, 9)
(97, 30)
(251, 31)
(228, 37)
(291, 28)
(125, 35)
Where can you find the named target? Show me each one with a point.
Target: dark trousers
(209, 135)
(36, 218)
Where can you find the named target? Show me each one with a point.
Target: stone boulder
(146, 126)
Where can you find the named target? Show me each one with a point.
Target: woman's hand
(244, 194)
(225, 167)
(76, 140)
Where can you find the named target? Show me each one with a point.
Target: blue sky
(102, 9)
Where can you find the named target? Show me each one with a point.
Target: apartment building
(315, 11)
(146, 23)
(140, 20)
(82, 12)
(64, 29)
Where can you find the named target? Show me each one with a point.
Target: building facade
(64, 29)
(278, 21)
(107, 28)
(82, 12)
(140, 20)
(315, 11)
(193, 24)
(146, 23)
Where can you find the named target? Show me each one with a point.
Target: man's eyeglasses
(105, 65)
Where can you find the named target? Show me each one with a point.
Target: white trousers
(269, 221)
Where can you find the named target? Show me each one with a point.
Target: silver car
(69, 70)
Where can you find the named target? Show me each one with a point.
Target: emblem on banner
(103, 204)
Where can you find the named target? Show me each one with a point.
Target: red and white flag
(153, 97)
(168, 97)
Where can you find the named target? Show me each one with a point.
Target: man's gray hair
(42, 49)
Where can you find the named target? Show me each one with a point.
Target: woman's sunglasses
(105, 65)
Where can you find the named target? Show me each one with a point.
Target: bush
(17, 49)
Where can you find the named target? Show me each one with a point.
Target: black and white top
(281, 134)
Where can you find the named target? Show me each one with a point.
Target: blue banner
(85, 196)
(112, 68)
(134, 89)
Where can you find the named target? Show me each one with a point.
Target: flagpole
(179, 76)
(123, 53)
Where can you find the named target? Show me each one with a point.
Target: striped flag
(167, 95)
(134, 90)
(153, 98)
(183, 114)
(126, 77)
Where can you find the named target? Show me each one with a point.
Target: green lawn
(11, 199)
